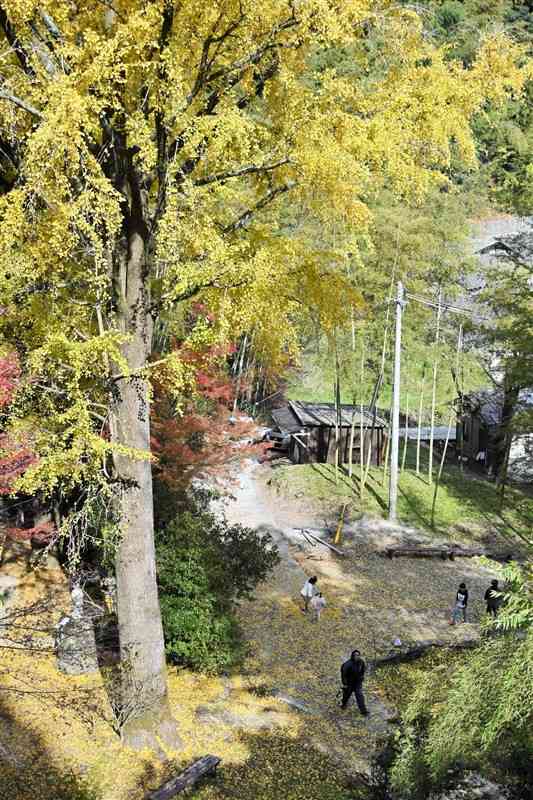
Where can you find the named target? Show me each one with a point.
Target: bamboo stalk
(369, 452)
(386, 460)
(434, 390)
(452, 414)
(404, 455)
(350, 449)
(352, 424)
(502, 483)
(419, 432)
(337, 420)
(240, 361)
(361, 431)
(340, 526)
(437, 484)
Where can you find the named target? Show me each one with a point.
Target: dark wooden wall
(320, 441)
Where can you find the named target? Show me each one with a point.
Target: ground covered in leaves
(275, 722)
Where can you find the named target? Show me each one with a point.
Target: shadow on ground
(26, 770)
(281, 767)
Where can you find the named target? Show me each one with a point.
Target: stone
(217, 715)
(8, 584)
(77, 596)
(473, 787)
(76, 646)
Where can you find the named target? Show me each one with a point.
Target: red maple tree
(205, 436)
(16, 454)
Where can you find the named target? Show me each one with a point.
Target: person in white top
(318, 603)
(308, 591)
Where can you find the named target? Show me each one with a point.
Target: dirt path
(371, 601)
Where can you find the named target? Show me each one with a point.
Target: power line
(444, 306)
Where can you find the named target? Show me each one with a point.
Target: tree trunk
(504, 470)
(510, 399)
(144, 709)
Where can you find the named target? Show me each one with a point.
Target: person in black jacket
(492, 598)
(352, 676)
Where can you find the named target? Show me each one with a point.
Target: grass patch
(397, 682)
(464, 499)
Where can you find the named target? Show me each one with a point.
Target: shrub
(203, 566)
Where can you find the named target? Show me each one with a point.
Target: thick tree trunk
(145, 711)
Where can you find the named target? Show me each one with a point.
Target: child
(318, 603)
(461, 602)
(308, 591)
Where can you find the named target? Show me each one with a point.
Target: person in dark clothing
(352, 676)
(461, 602)
(492, 599)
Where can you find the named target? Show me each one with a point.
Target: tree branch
(21, 104)
(256, 55)
(16, 44)
(238, 173)
(205, 62)
(241, 221)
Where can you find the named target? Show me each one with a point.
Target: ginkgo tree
(152, 152)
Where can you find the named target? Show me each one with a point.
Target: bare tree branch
(25, 106)
(253, 58)
(238, 173)
(241, 221)
(16, 44)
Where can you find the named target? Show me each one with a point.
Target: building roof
(297, 415)
(488, 403)
(440, 432)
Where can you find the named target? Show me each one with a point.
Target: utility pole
(395, 432)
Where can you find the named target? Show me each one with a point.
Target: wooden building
(479, 434)
(309, 430)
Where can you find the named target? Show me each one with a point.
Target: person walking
(318, 604)
(352, 676)
(461, 602)
(492, 598)
(308, 591)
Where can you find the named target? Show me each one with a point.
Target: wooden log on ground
(407, 550)
(189, 777)
(469, 552)
(445, 552)
(306, 533)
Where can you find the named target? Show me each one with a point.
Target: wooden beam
(295, 436)
(294, 410)
(204, 766)
(307, 532)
